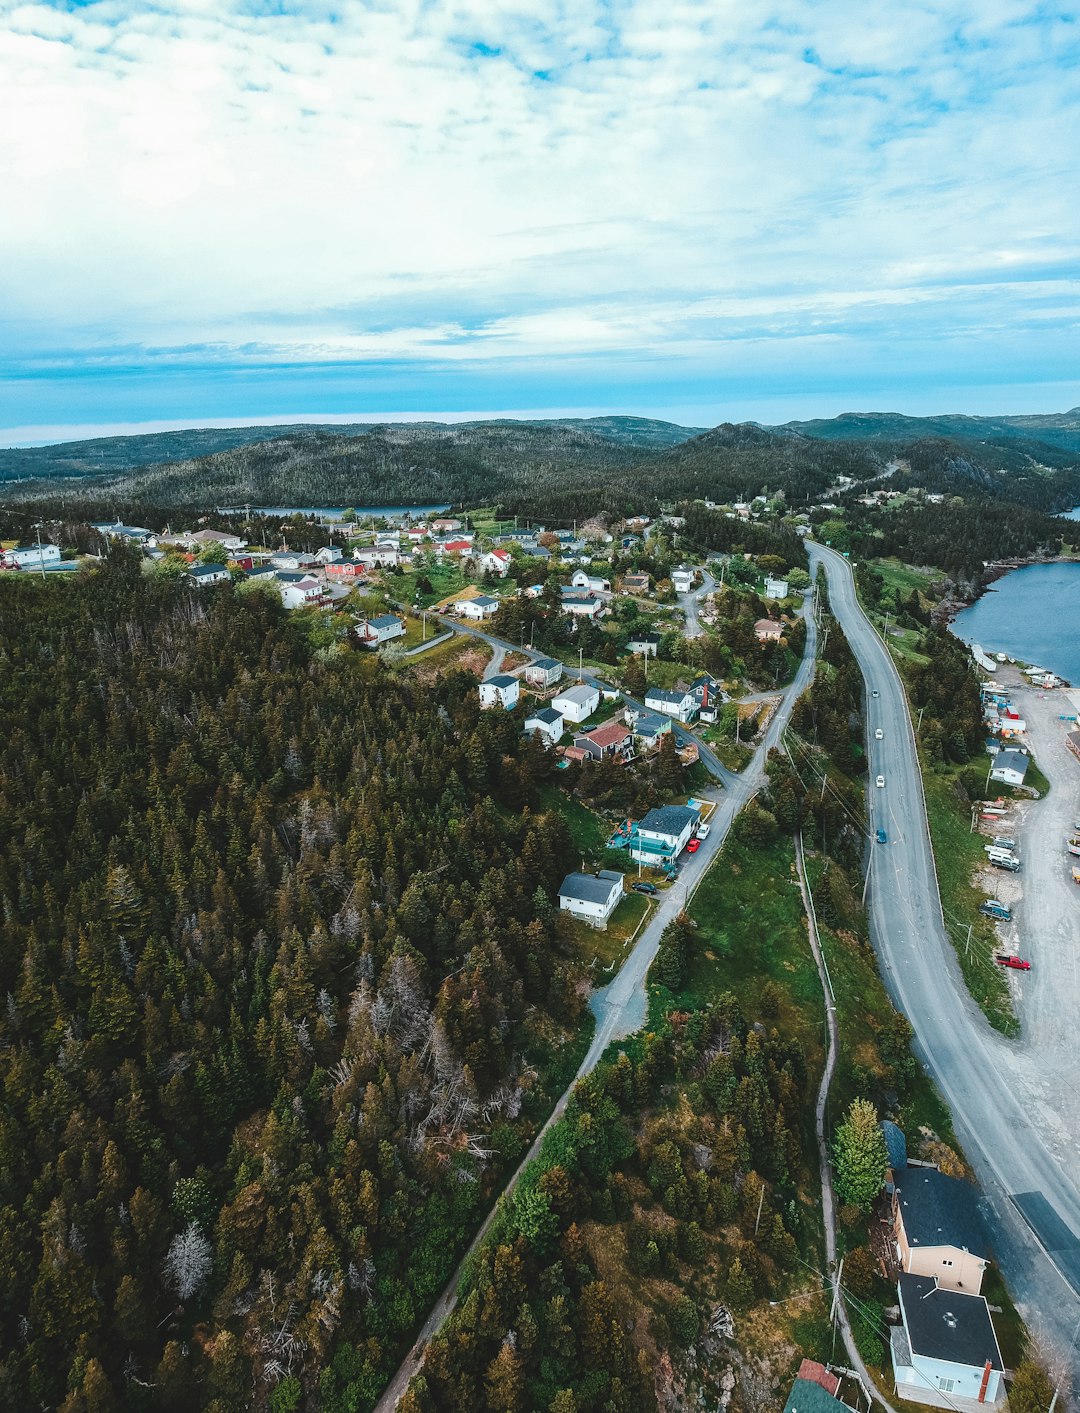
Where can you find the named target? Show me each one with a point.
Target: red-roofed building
(612, 739)
(456, 547)
(816, 1373)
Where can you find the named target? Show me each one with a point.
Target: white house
(32, 556)
(663, 833)
(136, 534)
(501, 690)
(593, 898)
(299, 590)
(232, 543)
(647, 644)
(373, 632)
(649, 729)
(204, 574)
(581, 605)
(478, 608)
(496, 561)
(682, 579)
(576, 703)
(581, 580)
(546, 721)
(679, 704)
(292, 560)
(329, 554)
(775, 588)
(544, 672)
(945, 1352)
(378, 554)
(1010, 767)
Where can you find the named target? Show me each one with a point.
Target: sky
(219, 211)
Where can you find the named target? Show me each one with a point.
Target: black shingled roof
(939, 1211)
(947, 1324)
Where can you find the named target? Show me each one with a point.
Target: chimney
(985, 1381)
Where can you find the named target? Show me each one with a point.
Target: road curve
(1039, 1256)
(620, 1007)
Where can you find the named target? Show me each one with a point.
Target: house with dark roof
(373, 632)
(649, 728)
(500, 690)
(591, 897)
(203, 574)
(815, 1390)
(545, 721)
(896, 1148)
(647, 644)
(663, 834)
(678, 703)
(708, 697)
(937, 1229)
(612, 741)
(544, 672)
(945, 1351)
(1009, 767)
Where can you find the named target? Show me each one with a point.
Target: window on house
(946, 1385)
(946, 1263)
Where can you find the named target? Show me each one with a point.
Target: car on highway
(879, 735)
(880, 782)
(1015, 963)
(693, 846)
(875, 693)
(649, 888)
(881, 836)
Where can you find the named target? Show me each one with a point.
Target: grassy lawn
(588, 831)
(734, 754)
(445, 578)
(902, 578)
(415, 633)
(901, 642)
(958, 853)
(605, 950)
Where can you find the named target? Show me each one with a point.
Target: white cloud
(526, 178)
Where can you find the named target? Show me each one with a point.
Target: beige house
(937, 1229)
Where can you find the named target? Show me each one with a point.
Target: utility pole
(866, 882)
(919, 727)
(821, 797)
(41, 557)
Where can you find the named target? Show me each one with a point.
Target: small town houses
(591, 897)
(30, 556)
(680, 704)
(501, 690)
(204, 575)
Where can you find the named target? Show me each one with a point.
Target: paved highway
(1034, 1201)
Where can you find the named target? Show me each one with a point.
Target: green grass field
(902, 578)
(958, 852)
(606, 950)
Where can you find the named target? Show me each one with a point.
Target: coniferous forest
(282, 992)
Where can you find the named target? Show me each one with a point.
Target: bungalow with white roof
(478, 608)
(581, 605)
(31, 556)
(219, 537)
(577, 703)
(775, 588)
(500, 691)
(595, 585)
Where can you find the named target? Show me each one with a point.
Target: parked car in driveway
(693, 846)
(992, 908)
(1015, 963)
(649, 888)
(880, 782)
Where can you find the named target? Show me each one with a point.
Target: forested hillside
(557, 471)
(284, 996)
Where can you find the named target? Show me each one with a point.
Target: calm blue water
(335, 512)
(1073, 514)
(1029, 614)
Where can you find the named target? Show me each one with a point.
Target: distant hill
(1059, 430)
(105, 456)
(558, 469)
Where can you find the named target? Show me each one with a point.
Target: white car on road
(879, 735)
(880, 782)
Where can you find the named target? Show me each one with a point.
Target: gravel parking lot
(1045, 926)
